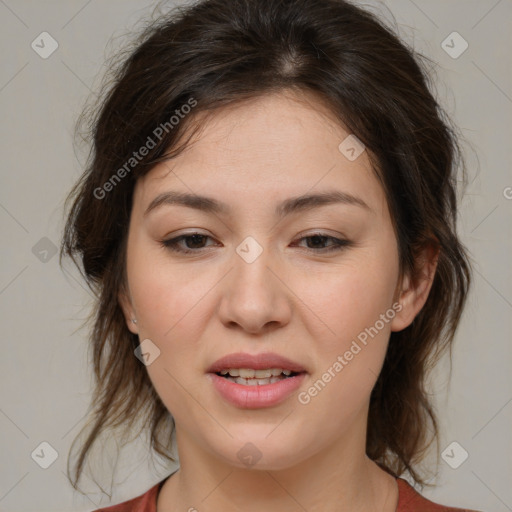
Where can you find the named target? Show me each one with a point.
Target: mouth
(256, 381)
(252, 377)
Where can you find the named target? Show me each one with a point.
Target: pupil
(317, 239)
(194, 237)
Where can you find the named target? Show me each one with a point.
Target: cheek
(352, 322)
(170, 300)
(351, 351)
(166, 296)
(348, 298)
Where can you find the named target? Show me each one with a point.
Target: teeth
(255, 382)
(249, 373)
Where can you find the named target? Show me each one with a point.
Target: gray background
(45, 380)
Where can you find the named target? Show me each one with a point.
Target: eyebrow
(287, 207)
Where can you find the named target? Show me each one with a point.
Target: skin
(294, 299)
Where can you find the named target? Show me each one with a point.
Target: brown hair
(219, 52)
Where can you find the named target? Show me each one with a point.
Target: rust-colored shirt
(409, 500)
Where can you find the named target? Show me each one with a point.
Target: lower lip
(256, 397)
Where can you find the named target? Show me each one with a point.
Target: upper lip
(256, 362)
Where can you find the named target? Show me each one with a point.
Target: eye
(321, 238)
(194, 243)
(193, 239)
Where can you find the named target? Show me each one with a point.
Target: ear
(129, 313)
(412, 291)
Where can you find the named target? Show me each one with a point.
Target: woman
(268, 219)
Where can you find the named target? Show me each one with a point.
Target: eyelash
(172, 243)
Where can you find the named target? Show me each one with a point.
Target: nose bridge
(253, 296)
(251, 276)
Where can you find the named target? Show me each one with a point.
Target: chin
(259, 452)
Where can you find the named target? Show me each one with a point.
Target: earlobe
(413, 292)
(129, 313)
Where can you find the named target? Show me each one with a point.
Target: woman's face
(263, 275)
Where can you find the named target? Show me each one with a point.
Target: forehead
(273, 146)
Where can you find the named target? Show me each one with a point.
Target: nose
(254, 296)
